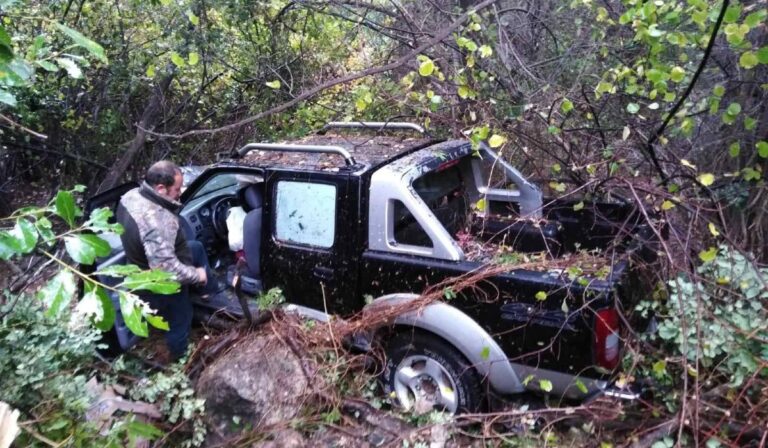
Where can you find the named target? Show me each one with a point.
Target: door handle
(323, 273)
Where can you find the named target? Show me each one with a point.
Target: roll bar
(280, 147)
(375, 125)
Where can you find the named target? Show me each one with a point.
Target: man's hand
(202, 276)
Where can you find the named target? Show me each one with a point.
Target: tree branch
(445, 32)
(685, 95)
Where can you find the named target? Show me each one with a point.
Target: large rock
(258, 383)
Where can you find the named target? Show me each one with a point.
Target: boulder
(257, 384)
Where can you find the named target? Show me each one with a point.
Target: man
(153, 239)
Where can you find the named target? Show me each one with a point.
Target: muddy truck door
(310, 236)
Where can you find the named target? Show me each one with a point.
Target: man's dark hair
(162, 173)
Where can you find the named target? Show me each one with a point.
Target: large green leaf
(159, 282)
(7, 97)
(8, 246)
(131, 311)
(85, 248)
(79, 39)
(99, 221)
(65, 207)
(119, 270)
(25, 234)
(57, 294)
(100, 299)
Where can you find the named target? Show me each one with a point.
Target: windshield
(222, 184)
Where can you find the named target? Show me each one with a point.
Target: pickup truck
(346, 222)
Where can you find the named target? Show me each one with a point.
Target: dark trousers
(176, 309)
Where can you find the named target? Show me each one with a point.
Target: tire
(423, 373)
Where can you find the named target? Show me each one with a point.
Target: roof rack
(324, 149)
(373, 125)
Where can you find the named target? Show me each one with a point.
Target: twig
(13, 124)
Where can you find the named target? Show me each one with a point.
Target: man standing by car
(153, 239)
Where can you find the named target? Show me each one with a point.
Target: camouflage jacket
(152, 237)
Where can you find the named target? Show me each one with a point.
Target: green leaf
(131, 312)
(6, 49)
(485, 353)
(541, 296)
(57, 294)
(8, 246)
(157, 281)
(756, 18)
(749, 123)
(496, 140)
(138, 429)
(633, 108)
(733, 109)
(677, 74)
(157, 322)
(25, 234)
(762, 55)
(5, 39)
(45, 229)
(578, 206)
(485, 51)
(762, 148)
(73, 70)
(85, 248)
(193, 18)
(464, 92)
(734, 149)
(481, 205)
(659, 368)
(177, 60)
(748, 60)
(426, 67)
(545, 385)
(65, 207)
(706, 179)
(708, 255)
(732, 14)
(667, 205)
(7, 97)
(119, 270)
(47, 66)
(275, 84)
(603, 87)
(193, 58)
(82, 41)
(151, 71)
(718, 90)
(567, 106)
(108, 313)
(99, 221)
(582, 388)
(558, 186)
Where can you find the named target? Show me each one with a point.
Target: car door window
(305, 213)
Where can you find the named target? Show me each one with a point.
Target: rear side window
(305, 213)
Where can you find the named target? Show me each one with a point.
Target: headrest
(252, 196)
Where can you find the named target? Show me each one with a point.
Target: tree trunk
(147, 121)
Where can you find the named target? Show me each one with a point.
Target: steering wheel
(219, 215)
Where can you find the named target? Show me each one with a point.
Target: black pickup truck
(348, 222)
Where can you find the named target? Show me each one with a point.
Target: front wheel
(425, 373)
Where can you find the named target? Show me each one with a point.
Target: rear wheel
(425, 373)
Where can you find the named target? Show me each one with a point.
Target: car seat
(252, 199)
